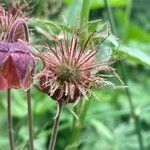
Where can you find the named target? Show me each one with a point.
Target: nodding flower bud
(70, 68)
(16, 59)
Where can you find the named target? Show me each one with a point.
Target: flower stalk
(55, 129)
(10, 122)
(30, 120)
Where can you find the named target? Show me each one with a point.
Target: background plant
(108, 123)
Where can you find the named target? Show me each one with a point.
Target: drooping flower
(71, 69)
(16, 60)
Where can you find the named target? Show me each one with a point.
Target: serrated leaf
(92, 25)
(44, 25)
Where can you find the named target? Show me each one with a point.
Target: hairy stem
(30, 120)
(55, 129)
(10, 122)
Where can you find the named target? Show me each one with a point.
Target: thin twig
(55, 128)
(123, 72)
(30, 120)
(132, 110)
(10, 123)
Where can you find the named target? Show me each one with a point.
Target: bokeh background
(114, 119)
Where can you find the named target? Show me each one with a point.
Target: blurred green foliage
(109, 124)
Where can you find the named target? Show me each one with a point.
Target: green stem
(127, 20)
(77, 126)
(128, 93)
(133, 113)
(84, 17)
(55, 129)
(30, 120)
(85, 11)
(110, 17)
(10, 122)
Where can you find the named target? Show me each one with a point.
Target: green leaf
(19, 104)
(138, 33)
(135, 54)
(102, 129)
(73, 13)
(44, 24)
(94, 24)
(95, 4)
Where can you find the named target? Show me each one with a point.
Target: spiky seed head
(69, 68)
